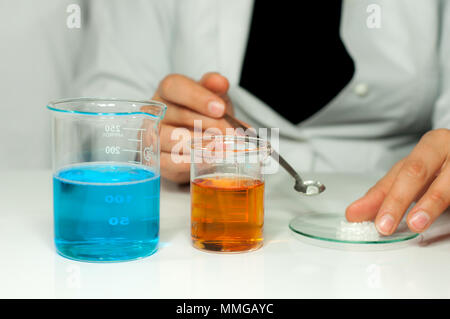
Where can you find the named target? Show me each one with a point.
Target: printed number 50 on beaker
(106, 178)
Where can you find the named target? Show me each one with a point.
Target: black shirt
(295, 59)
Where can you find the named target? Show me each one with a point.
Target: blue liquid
(106, 212)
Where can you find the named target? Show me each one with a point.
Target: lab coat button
(361, 89)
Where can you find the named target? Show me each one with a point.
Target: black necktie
(295, 59)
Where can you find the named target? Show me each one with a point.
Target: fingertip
(349, 214)
(386, 224)
(353, 212)
(216, 108)
(215, 82)
(363, 209)
(418, 221)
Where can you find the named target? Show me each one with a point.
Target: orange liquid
(227, 213)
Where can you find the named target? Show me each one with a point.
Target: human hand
(423, 176)
(187, 101)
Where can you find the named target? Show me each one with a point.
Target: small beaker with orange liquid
(227, 193)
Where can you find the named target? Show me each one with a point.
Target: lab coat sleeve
(441, 114)
(126, 50)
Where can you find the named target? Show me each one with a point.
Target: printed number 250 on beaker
(106, 178)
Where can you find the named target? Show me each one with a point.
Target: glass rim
(261, 145)
(53, 106)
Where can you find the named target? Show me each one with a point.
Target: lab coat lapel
(233, 26)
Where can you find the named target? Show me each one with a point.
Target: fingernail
(386, 224)
(419, 220)
(216, 108)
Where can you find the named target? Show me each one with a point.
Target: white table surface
(284, 268)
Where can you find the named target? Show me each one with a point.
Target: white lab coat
(400, 89)
(38, 55)
(401, 86)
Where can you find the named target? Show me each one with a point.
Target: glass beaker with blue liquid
(106, 178)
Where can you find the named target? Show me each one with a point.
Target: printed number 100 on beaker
(106, 192)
